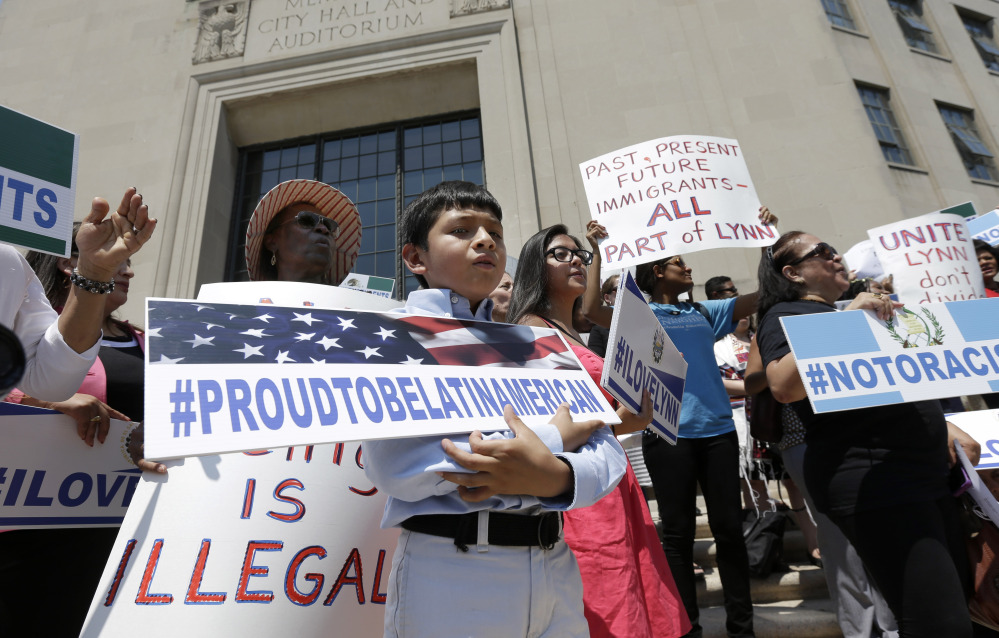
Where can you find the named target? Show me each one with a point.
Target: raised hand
(105, 241)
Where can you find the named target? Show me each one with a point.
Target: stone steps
(794, 604)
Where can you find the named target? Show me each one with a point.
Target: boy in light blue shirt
(481, 552)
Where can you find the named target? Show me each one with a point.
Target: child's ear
(412, 256)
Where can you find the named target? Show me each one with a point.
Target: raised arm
(593, 306)
(745, 305)
(105, 241)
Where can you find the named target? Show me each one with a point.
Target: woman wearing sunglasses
(879, 473)
(707, 448)
(303, 231)
(627, 587)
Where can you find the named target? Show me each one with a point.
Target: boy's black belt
(511, 530)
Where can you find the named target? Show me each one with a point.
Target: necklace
(561, 329)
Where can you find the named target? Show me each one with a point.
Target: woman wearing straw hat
(303, 231)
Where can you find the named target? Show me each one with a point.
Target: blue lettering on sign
(307, 401)
(855, 374)
(45, 200)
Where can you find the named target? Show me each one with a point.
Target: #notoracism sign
(224, 377)
(673, 195)
(278, 542)
(853, 359)
(37, 183)
(50, 478)
(640, 356)
(985, 227)
(931, 257)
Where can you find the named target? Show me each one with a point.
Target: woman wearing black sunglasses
(879, 473)
(303, 231)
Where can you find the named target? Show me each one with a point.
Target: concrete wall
(557, 82)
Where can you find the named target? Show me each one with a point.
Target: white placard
(292, 293)
(931, 258)
(983, 426)
(284, 543)
(641, 356)
(38, 165)
(50, 478)
(673, 195)
(225, 377)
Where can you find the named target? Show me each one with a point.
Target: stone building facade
(851, 113)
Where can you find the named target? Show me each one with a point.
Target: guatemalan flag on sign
(321, 376)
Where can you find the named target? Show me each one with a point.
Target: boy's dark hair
(713, 285)
(857, 286)
(774, 286)
(424, 211)
(532, 267)
(610, 285)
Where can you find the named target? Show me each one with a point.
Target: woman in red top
(628, 590)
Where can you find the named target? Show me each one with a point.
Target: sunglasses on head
(561, 253)
(821, 249)
(309, 220)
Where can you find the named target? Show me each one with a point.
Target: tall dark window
(978, 159)
(915, 28)
(886, 129)
(980, 30)
(839, 14)
(381, 170)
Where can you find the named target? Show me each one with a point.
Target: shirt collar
(447, 303)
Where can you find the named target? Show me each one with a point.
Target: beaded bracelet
(97, 287)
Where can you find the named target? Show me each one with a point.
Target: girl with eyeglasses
(879, 473)
(627, 586)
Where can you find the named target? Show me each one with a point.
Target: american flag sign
(227, 377)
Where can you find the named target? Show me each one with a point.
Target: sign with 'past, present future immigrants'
(641, 356)
(852, 359)
(673, 195)
(37, 183)
(225, 378)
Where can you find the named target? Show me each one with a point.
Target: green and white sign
(37, 183)
(378, 286)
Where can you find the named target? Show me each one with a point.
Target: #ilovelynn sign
(852, 359)
(640, 356)
(673, 195)
(37, 183)
(50, 478)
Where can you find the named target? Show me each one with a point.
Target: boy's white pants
(437, 591)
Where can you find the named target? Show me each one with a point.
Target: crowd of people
(544, 530)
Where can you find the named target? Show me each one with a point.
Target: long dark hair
(54, 281)
(530, 294)
(774, 287)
